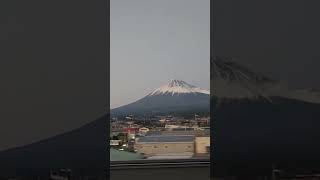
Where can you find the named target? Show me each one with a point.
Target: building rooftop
(166, 138)
(183, 129)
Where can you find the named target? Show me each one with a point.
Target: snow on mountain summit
(231, 80)
(178, 86)
(174, 97)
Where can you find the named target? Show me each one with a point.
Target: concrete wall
(200, 145)
(164, 148)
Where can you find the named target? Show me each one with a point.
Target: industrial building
(202, 145)
(165, 144)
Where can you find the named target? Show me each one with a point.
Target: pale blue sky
(156, 40)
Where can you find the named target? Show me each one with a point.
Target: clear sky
(153, 41)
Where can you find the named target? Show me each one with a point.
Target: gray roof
(182, 129)
(166, 138)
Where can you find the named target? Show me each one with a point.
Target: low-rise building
(184, 132)
(115, 142)
(144, 130)
(165, 144)
(202, 145)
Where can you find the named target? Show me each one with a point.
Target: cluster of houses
(172, 141)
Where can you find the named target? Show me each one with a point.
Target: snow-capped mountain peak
(226, 68)
(175, 96)
(178, 86)
(231, 80)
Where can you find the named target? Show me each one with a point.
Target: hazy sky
(156, 40)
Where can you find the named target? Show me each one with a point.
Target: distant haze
(153, 41)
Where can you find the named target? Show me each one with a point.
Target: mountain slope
(85, 147)
(176, 96)
(258, 125)
(308, 95)
(262, 134)
(230, 80)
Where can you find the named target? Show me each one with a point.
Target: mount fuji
(230, 80)
(261, 121)
(176, 96)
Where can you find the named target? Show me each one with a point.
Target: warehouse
(165, 145)
(202, 145)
